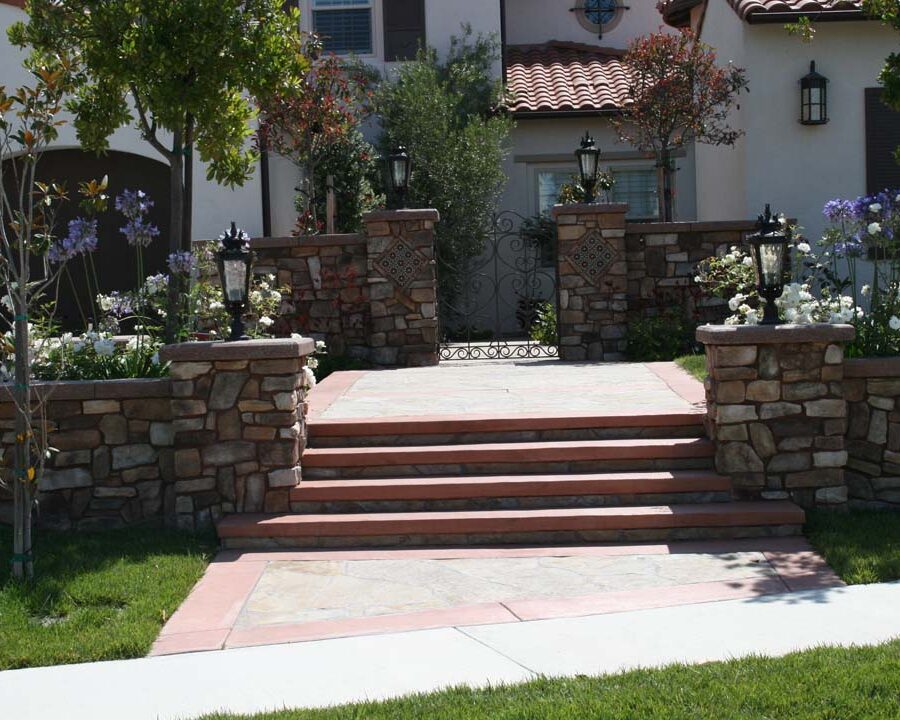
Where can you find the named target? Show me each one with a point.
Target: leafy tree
(186, 72)
(317, 123)
(888, 11)
(447, 115)
(678, 96)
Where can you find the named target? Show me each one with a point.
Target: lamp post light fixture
(234, 260)
(588, 156)
(813, 97)
(769, 243)
(400, 167)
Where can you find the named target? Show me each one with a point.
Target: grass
(96, 596)
(862, 546)
(694, 364)
(822, 684)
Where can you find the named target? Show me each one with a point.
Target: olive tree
(187, 73)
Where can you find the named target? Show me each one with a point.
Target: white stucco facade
(795, 167)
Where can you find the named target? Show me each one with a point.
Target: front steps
(505, 481)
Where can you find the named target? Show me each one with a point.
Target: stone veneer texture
(776, 410)
(371, 296)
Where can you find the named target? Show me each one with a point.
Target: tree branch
(148, 131)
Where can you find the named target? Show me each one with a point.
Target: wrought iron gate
(502, 303)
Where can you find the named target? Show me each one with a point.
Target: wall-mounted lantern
(813, 97)
(234, 261)
(588, 156)
(399, 166)
(769, 243)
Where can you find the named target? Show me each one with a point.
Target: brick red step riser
(506, 468)
(526, 538)
(507, 503)
(470, 438)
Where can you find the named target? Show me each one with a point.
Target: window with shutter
(344, 26)
(882, 139)
(404, 28)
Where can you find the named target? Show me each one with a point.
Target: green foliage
(660, 337)
(545, 329)
(572, 192)
(819, 684)
(695, 365)
(447, 115)
(328, 364)
(99, 596)
(862, 546)
(95, 357)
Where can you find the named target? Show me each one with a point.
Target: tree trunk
(176, 230)
(22, 565)
(665, 185)
(188, 204)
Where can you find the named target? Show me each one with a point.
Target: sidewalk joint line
(498, 652)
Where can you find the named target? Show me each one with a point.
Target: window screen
(882, 138)
(404, 29)
(637, 187)
(345, 26)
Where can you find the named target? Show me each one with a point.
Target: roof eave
(555, 114)
(766, 18)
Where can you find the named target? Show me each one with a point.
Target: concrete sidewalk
(328, 672)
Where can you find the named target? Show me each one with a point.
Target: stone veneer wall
(662, 263)
(115, 464)
(224, 433)
(371, 296)
(776, 409)
(872, 389)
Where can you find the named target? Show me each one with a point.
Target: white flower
(320, 346)
(132, 343)
(866, 289)
(752, 317)
(309, 378)
(105, 348)
(78, 346)
(216, 306)
(874, 228)
(748, 261)
(7, 302)
(736, 301)
(894, 322)
(782, 220)
(266, 321)
(155, 358)
(803, 247)
(312, 363)
(698, 279)
(875, 207)
(105, 302)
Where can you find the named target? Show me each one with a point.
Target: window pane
(342, 3)
(638, 189)
(549, 184)
(344, 31)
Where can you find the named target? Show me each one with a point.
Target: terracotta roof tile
(747, 9)
(560, 76)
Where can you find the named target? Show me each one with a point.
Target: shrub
(660, 337)
(545, 329)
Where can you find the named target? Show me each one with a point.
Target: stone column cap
(773, 334)
(589, 209)
(407, 214)
(264, 349)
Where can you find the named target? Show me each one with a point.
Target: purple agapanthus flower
(851, 248)
(182, 263)
(134, 205)
(119, 305)
(837, 210)
(82, 238)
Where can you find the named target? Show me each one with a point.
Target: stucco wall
(214, 206)
(795, 167)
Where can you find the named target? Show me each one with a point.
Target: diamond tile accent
(593, 257)
(400, 263)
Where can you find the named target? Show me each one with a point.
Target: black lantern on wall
(769, 243)
(399, 166)
(813, 97)
(234, 260)
(588, 156)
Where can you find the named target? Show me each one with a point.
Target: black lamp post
(399, 166)
(588, 156)
(234, 260)
(769, 243)
(813, 97)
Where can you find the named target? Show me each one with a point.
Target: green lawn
(694, 364)
(97, 596)
(862, 546)
(823, 684)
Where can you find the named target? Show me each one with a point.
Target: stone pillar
(239, 425)
(402, 287)
(776, 409)
(593, 281)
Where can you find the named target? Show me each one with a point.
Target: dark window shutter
(404, 28)
(882, 139)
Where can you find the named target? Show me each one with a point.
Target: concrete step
(509, 458)
(509, 492)
(465, 430)
(507, 527)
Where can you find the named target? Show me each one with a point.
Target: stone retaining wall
(115, 464)
(371, 296)
(872, 389)
(776, 410)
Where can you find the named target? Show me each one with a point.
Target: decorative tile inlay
(400, 263)
(593, 256)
